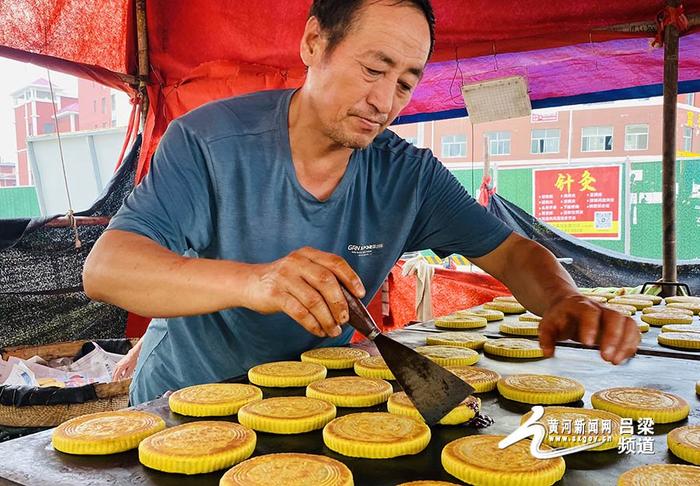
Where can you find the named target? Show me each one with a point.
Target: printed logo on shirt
(365, 250)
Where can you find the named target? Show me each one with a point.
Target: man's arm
(542, 285)
(135, 273)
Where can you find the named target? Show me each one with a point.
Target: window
(94, 106)
(499, 143)
(691, 99)
(104, 104)
(687, 139)
(597, 139)
(114, 123)
(48, 127)
(545, 141)
(113, 100)
(454, 146)
(636, 137)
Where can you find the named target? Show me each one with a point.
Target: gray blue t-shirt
(222, 185)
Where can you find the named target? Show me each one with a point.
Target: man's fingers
(613, 329)
(326, 283)
(629, 343)
(314, 303)
(340, 268)
(296, 310)
(589, 325)
(549, 334)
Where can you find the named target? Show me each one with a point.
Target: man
(284, 195)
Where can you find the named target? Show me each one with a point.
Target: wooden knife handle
(359, 316)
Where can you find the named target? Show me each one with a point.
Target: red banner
(582, 201)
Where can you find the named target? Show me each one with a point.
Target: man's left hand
(578, 318)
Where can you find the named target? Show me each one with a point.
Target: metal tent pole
(142, 45)
(671, 37)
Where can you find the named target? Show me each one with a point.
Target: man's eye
(405, 87)
(372, 72)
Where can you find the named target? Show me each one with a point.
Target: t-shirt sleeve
(448, 219)
(173, 204)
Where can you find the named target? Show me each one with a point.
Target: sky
(15, 75)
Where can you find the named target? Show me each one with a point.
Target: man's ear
(313, 43)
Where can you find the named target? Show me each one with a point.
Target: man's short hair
(336, 17)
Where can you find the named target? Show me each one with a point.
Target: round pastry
(636, 403)
(481, 379)
(400, 404)
(377, 435)
(373, 367)
(489, 315)
(514, 348)
(449, 355)
(685, 340)
(597, 298)
(287, 415)
(520, 328)
(529, 317)
(460, 322)
(197, 447)
(105, 432)
(660, 474)
(288, 469)
(477, 460)
(472, 340)
(683, 299)
(643, 326)
(657, 308)
(625, 310)
(544, 389)
(334, 358)
(286, 374)
(351, 391)
(213, 399)
(638, 304)
(680, 328)
(506, 298)
(593, 430)
(662, 318)
(655, 299)
(691, 306)
(505, 307)
(607, 295)
(684, 442)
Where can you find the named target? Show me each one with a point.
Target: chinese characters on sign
(584, 202)
(643, 443)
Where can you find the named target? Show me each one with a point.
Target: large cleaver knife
(433, 390)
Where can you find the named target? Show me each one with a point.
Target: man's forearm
(137, 274)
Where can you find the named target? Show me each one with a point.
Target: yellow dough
(287, 415)
(400, 404)
(197, 447)
(449, 355)
(655, 299)
(351, 391)
(506, 298)
(105, 432)
(477, 460)
(597, 298)
(505, 307)
(481, 379)
(213, 399)
(663, 318)
(544, 389)
(529, 317)
(691, 306)
(514, 348)
(520, 328)
(288, 469)
(489, 315)
(286, 374)
(626, 310)
(684, 442)
(683, 299)
(638, 304)
(377, 435)
(373, 367)
(334, 358)
(460, 322)
(661, 475)
(685, 340)
(636, 403)
(680, 328)
(656, 309)
(562, 432)
(472, 340)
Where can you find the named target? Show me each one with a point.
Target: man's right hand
(305, 285)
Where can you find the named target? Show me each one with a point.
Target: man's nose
(381, 96)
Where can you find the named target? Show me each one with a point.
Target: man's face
(361, 86)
